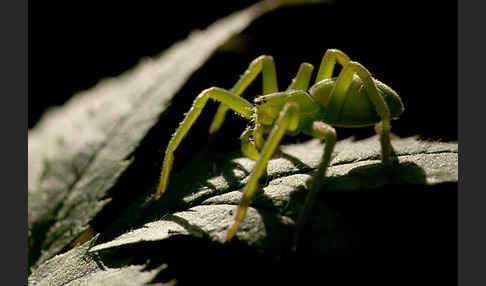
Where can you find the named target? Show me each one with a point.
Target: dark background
(411, 46)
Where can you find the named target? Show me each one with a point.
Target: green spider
(352, 99)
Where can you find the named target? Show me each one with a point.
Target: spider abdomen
(357, 110)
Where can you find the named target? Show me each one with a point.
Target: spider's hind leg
(329, 62)
(338, 96)
(388, 155)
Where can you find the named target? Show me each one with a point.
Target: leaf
(78, 266)
(205, 206)
(77, 152)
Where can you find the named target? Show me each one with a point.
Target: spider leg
(338, 95)
(387, 153)
(288, 120)
(252, 140)
(236, 103)
(258, 136)
(247, 147)
(251, 147)
(329, 62)
(303, 77)
(263, 64)
(328, 133)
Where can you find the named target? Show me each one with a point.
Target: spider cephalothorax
(352, 99)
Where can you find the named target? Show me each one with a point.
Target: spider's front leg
(288, 120)
(248, 145)
(236, 103)
(252, 138)
(263, 64)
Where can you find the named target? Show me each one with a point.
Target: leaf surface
(79, 267)
(77, 152)
(205, 206)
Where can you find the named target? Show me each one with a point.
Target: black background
(74, 45)
(411, 46)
